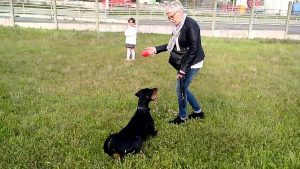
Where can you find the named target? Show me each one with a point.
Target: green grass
(63, 92)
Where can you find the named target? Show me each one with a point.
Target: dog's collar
(142, 108)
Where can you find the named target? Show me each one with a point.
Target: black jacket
(189, 38)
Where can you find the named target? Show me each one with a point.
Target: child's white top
(130, 34)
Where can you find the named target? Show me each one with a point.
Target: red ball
(145, 53)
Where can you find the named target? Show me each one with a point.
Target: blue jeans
(184, 95)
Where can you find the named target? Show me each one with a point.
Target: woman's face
(175, 16)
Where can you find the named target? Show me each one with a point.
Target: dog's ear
(137, 94)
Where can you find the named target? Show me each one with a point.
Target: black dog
(141, 125)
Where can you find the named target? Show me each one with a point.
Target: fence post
(12, 14)
(55, 14)
(137, 14)
(79, 11)
(151, 18)
(97, 15)
(251, 19)
(288, 19)
(214, 19)
(23, 5)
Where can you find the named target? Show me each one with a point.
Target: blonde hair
(174, 6)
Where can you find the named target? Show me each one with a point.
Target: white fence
(150, 18)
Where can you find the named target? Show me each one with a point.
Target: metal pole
(251, 18)
(55, 14)
(12, 14)
(214, 19)
(287, 19)
(97, 15)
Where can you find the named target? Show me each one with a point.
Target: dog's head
(148, 94)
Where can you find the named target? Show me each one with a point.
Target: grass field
(63, 92)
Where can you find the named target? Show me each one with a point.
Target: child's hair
(131, 19)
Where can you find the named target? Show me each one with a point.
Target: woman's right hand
(151, 50)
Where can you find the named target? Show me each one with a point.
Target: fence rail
(212, 19)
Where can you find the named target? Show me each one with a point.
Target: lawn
(63, 92)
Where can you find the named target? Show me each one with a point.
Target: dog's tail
(109, 145)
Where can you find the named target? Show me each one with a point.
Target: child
(130, 42)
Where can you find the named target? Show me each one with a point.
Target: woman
(185, 37)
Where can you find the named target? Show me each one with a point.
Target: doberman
(140, 127)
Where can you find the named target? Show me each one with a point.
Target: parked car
(296, 9)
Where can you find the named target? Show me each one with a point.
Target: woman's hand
(151, 50)
(181, 74)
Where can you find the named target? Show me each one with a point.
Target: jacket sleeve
(193, 39)
(161, 48)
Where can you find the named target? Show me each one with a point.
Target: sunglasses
(172, 16)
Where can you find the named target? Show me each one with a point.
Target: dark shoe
(177, 120)
(197, 115)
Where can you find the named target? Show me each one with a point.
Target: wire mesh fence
(84, 14)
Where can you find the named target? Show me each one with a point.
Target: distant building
(147, 1)
(276, 6)
(118, 2)
(279, 7)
